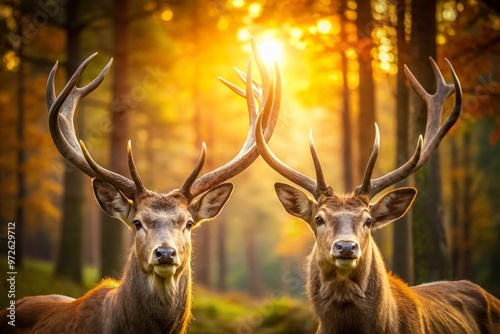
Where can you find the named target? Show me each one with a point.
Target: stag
(347, 281)
(154, 294)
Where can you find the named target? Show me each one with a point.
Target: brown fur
(366, 298)
(143, 301)
(111, 307)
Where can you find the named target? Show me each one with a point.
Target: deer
(348, 285)
(154, 294)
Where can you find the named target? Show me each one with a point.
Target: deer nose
(165, 255)
(344, 248)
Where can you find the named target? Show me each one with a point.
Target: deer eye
(319, 221)
(368, 222)
(189, 224)
(137, 224)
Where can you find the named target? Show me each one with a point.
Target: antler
(61, 112)
(62, 109)
(314, 187)
(434, 132)
(268, 95)
(433, 135)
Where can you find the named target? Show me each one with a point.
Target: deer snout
(345, 249)
(165, 255)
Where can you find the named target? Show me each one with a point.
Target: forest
(342, 65)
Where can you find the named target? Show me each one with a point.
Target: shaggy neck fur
(151, 304)
(355, 302)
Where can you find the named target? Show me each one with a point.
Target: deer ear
(209, 205)
(112, 201)
(294, 201)
(392, 206)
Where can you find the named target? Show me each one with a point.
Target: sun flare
(271, 50)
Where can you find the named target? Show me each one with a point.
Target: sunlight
(167, 15)
(271, 50)
(254, 10)
(324, 26)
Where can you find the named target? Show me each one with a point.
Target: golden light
(238, 3)
(271, 50)
(384, 57)
(351, 53)
(11, 61)
(167, 15)
(385, 66)
(324, 26)
(296, 33)
(335, 77)
(243, 35)
(449, 14)
(223, 24)
(440, 39)
(352, 80)
(254, 10)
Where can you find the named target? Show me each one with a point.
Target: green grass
(37, 278)
(239, 313)
(232, 312)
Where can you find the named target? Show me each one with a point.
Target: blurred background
(342, 66)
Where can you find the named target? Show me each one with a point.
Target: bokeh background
(342, 66)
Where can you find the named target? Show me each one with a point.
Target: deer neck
(364, 293)
(153, 303)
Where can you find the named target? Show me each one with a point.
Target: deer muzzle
(346, 253)
(165, 261)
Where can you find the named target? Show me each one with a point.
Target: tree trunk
(221, 253)
(402, 260)
(255, 279)
(346, 110)
(203, 237)
(467, 205)
(456, 219)
(112, 230)
(428, 222)
(70, 256)
(21, 161)
(366, 129)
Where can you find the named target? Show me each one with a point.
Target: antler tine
(435, 102)
(263, 71)
(61, 112)
(125, 185)
(279, 166)
(257, 87)
(250, 98)
(321, 186)
(366, 185)
(50, 93)
(139, 186)
(431, 144)
(270, 107)
(54, 103)
(405, 170)
(233, 87)
(186, 187)
(434, 131)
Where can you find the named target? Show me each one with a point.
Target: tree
(366, 100)
(111, 230)
(402, 262)
(70, 258)
(21, 154)
(347, 136)
(428, 223)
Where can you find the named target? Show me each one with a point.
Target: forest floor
(213, 312)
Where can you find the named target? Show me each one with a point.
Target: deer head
(342, 224)
(161, 222)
